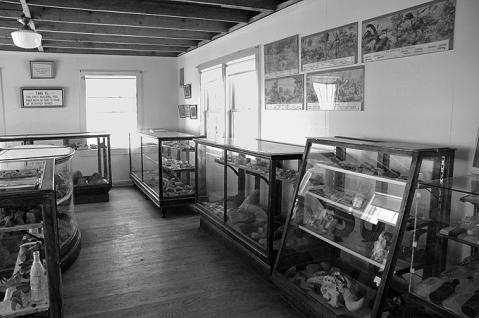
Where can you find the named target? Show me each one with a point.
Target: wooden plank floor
(133, 263)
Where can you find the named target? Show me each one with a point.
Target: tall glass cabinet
(345, 229)
(28, 230)
(162, 166)
(245, 190)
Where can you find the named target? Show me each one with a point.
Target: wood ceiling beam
(95, 38)
(105, 46)
(155, 8)
(254, 5)
(44, 26)
(9, 10)
(93, 51)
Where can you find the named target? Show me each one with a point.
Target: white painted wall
(430, 98)
(159, 104)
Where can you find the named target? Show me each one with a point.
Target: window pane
(111, 105)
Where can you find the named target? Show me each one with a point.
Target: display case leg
(163, 212)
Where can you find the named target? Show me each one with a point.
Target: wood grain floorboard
(134, 263)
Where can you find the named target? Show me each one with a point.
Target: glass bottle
(36, 273)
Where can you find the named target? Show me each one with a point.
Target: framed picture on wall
(182, 76)
(181, 111)
(187, 89)
(475, 161)
(42, 69)
(42, 97)
(187, 111)
(193, 111)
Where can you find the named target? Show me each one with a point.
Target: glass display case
(91, 162)
(245, 190)
(349, 215)
(162, 166)
(444, 278)
(68, 231)
(30, 279)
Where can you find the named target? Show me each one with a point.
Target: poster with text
(285, 93)
(426, 28)
(341, 89)
(330, 48)
(281, 58)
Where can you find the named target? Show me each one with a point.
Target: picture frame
(42, 69)
(284, 93)
(281, 58)
(475, 160)
(182, 76)
(187, 90)
(37, 97)
(193, 111)
(181, 111)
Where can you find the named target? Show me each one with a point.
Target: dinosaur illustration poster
(330, 48)
(281, 58)
(284, 93)
(341, 89)
(422, 29)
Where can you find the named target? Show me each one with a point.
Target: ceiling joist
(126, 27)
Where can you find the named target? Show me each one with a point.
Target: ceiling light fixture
(26, 38)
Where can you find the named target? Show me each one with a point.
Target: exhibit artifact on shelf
(343, 234)
(244, 191)
(30, 278)
(69, 234)
(162, 166)
(92, 179)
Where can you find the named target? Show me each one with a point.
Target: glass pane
(342, 224)
(150, 152)
(444, 260)
(248, 190)
(178, 171)
(211, 180)
(67, 224)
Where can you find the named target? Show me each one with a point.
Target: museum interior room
(239, 158)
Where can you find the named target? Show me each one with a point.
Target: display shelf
(178, 170)
(341, 247)
(361, 175)
(460, 239)
(23, 227)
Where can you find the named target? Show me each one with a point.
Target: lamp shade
(26, 38)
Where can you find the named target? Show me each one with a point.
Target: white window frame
(223, 62)
(139, 94)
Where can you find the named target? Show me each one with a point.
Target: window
(230, 97)
(111, 105)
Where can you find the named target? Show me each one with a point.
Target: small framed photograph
(187, 111)
(42, 97)
(181, 111)
(187, 89)
(475, 160)
(182, 76)
(193, 111)
(42, 69)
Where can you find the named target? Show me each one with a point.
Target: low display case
(345, 229)
(91, 162)
(444, 280)
(162, 166)
(245, 191)
(69, 234)
(28, 232)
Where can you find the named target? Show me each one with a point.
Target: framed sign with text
(42, 97)
(42, 69)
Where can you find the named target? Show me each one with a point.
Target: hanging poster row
(422, 29)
